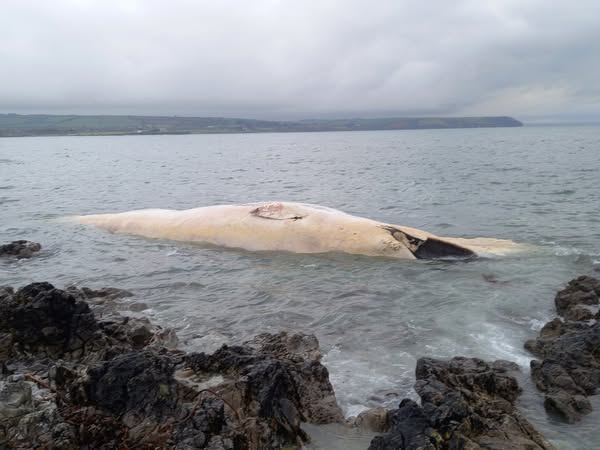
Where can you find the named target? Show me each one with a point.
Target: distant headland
(100, 125)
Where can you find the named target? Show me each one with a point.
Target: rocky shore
(466, 403)
(568, 348)
(75, 373)
(20, 249)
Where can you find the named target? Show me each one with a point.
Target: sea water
(374, 317)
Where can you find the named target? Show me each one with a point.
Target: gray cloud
(269, 58)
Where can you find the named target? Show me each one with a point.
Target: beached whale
(293, 227)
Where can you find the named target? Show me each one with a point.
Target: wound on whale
(430, 248)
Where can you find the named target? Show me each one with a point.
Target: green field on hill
(60, 125)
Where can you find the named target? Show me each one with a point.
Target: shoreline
(16, 125)
(69, 371)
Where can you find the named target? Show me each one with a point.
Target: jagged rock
(28, 419)
(270, 380)
(569, 369)
(136, 382)
(6, 291)
(583, 290)
(410, 430)
(294, 348)
(567, 406)
(42, 320)
(302, 353)
(466, 403)
(15, 398)
(138, 331)
(20, 249)
(110, 381)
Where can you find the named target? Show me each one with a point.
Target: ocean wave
(559, 249)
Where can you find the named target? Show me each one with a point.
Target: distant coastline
(18, 125)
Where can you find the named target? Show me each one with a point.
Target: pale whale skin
(292, 227)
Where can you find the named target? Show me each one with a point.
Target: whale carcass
(293, 227)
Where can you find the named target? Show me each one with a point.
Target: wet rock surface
(20, 249)
(75, 374)
(271, 377)
(466, 403)
(568, 348)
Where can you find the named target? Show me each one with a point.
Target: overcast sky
(289, 59)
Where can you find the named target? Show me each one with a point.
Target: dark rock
(40, 320)
(28, 419)
(410, 430)
(466, 403)
(552, 329)
(579, 291)
(301, 354)
(20, 249)
(569, 408)
(269, 379)
(578, 314)
(569, 369)
(43, 320)
(208, 424)
(6, 291)
(110, 381)
(138, 382)
(294, 347)
(137, 331)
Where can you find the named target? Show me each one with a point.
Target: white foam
(498, 343)
(360, 384)
(569, 250)
(536, 324)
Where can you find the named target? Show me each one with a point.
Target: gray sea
(374, 317)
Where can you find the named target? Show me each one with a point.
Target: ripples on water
(373, 317)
